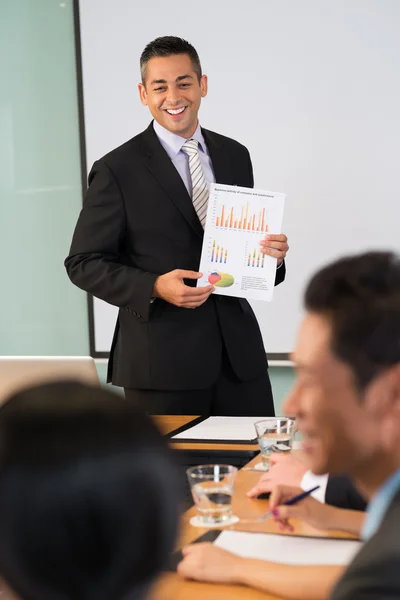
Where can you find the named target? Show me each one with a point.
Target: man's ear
(393, 385)
(204, 85)
(380, 392)
(142, 93)
(390, 430)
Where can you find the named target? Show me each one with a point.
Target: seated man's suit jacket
(375, 572)
(138, 222)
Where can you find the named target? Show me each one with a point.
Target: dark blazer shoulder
(139, 145)
(374, 573)
(146, 143)
(221, 140)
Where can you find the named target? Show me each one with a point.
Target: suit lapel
(219, 158)
(160, 166)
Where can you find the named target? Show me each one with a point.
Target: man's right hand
(171, 288)
(316, 514)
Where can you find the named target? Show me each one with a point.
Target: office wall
(40, 186)
(40, 189)
(311, 88)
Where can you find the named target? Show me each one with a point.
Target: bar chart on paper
(242, 218)
(238, 219)
(254, 258)
(219, 254)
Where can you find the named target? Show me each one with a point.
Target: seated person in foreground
(210, 563)
(347, 404)
(89, 495)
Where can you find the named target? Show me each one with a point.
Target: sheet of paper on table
(238, 218)
(289, 549)
(222, 428)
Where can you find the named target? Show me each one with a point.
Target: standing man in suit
(177, 349)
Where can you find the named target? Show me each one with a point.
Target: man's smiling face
(173, 93)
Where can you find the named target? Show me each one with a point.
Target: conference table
(170, 423)
(170, 585)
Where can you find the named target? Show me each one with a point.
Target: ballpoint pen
(289, 502)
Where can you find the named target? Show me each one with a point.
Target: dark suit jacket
(341, 492)
(375, 572)
(137, 223)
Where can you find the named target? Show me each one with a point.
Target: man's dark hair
(89, 495)
(360, 296)
(168, 46)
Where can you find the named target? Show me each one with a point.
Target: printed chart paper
(238, 218)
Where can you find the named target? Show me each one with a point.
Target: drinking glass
(212, 489)
(274, 435)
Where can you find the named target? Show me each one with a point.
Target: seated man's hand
(206, 562)
(285, 469)
(171, 288)
(316, 514)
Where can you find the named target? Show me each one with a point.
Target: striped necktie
(200, 191)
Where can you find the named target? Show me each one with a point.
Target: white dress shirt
(173, 143)
(310, 480)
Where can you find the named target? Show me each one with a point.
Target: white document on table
(238, 218)
(288, 549)
(222, 428)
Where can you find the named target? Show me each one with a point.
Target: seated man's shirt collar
(379, 504)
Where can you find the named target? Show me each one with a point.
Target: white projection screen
(311, 87)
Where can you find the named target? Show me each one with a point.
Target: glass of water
(212, 489)
(274, 435)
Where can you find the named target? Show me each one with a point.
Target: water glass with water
(212, 489)
(274, 434)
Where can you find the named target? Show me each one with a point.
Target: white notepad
(287, 549)
(222, 428)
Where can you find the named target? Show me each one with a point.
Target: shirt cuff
(310, 480)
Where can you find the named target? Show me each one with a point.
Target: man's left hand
(284, 469)
(206, 562)
(275, 245)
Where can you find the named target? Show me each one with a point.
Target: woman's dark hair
(89, 495)
(360, 296)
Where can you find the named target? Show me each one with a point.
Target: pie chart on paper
(220, 279)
